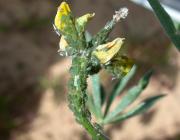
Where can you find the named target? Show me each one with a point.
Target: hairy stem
(77, 96)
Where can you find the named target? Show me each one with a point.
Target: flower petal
(63, 10)
(107, 51)
(82, 21)
(63, 44)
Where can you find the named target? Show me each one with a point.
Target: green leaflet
(130, 96)
(166, 22)
(98, 96)
(91, 106)
(96, 92)
(117, 90)
(103, 95)
(141, 108)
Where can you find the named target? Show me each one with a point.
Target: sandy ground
(34, 77)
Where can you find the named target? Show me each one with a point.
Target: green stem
(77, 96)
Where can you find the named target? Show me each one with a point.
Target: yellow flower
(63, 44)
(63, 10)
(120, 65)
(82, 21)
(107, 51)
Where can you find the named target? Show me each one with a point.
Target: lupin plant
(89, 55)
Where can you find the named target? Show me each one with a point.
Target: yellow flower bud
(107, 51)
(63, 44)
(63, 10)
(120, 65)
(82, 21)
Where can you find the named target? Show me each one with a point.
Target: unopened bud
(120, 14)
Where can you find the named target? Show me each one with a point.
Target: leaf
(103, 95)
(119, 87)
(141, 108)
(96, 93)
(91, 106)
(165, 21)
(145, 80)
(130, 96)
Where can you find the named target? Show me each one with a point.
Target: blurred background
(33, 77)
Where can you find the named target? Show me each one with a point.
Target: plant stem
(77, 96)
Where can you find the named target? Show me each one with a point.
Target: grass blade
(166, 22)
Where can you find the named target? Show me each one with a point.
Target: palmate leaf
(117, 90)
(166, 22)
(141, 108)
(130, 96)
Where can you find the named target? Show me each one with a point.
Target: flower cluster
(74, 40)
